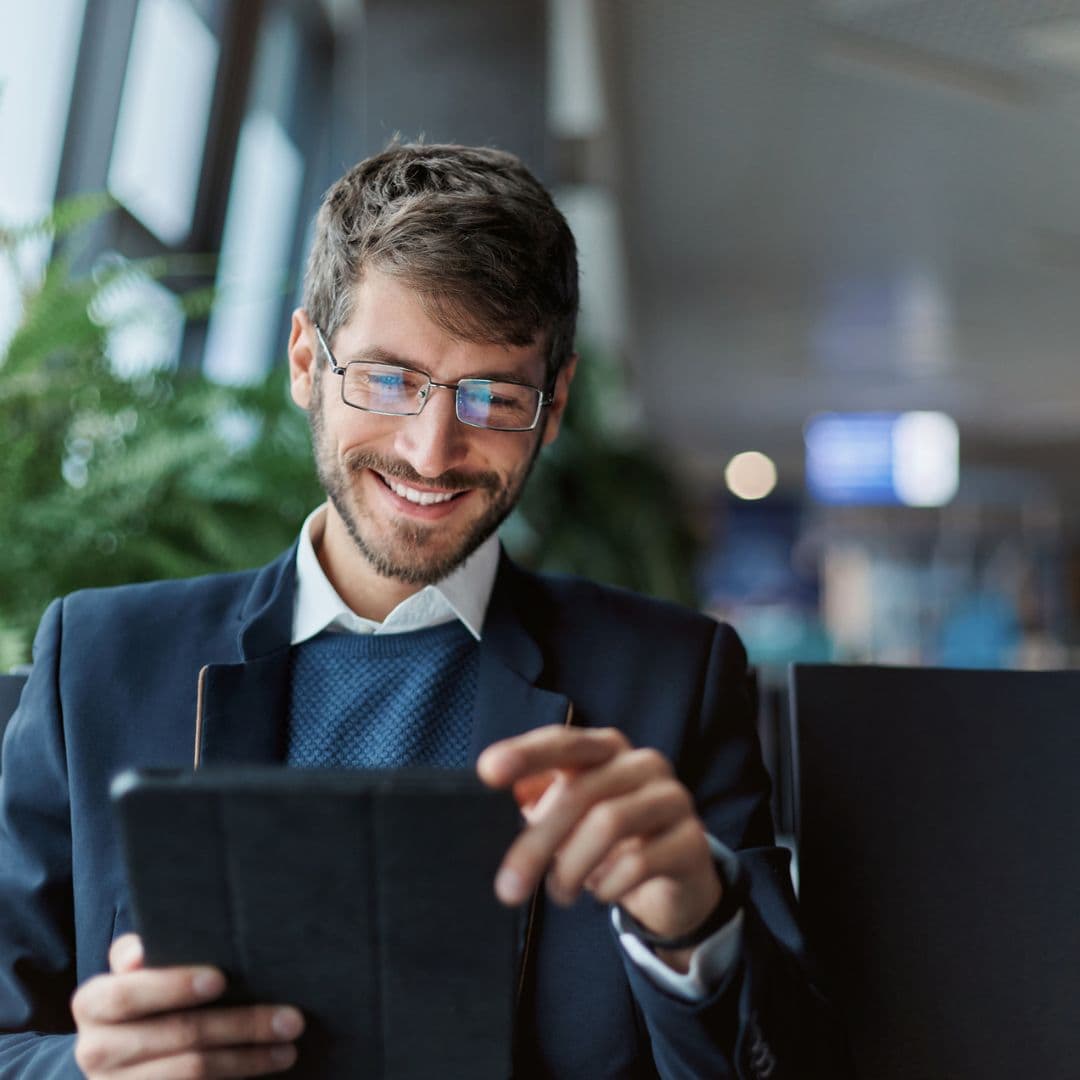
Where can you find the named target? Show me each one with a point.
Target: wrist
(678, 948)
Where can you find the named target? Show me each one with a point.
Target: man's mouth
(415, 495)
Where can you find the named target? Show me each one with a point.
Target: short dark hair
(470, 229)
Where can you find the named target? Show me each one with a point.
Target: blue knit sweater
(381, 701)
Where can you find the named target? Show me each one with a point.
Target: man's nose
(434, 440)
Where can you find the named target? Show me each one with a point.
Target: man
(434, 357)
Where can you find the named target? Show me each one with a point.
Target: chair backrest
(10, 689)
(939, 859)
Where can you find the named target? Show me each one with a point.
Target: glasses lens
(505, 406)
(383, 388)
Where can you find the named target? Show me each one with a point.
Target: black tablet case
(363, 898)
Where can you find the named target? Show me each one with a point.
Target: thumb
(126, 954)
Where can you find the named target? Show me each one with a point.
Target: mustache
(451, 480)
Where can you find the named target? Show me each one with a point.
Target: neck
(366, 591)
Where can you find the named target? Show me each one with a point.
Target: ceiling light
(750, 475)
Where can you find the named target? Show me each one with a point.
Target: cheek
(498, 452)
(358, 432)
(515, 467)
(346, 429)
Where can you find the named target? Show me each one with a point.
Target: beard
(411, 552)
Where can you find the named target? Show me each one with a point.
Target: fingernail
(510, 886)
(208, 983)
(288, 1023)
(129, 951)
(487, 765)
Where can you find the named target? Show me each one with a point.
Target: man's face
(416, 494)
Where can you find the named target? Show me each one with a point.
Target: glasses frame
(545, 397)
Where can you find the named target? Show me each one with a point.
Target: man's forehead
(391, 317)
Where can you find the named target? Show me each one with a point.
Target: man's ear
(561, 396)
(303, 356)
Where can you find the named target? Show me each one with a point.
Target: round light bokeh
(750, 475)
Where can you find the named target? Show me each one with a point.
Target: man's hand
(603, 816)
(137, 1023)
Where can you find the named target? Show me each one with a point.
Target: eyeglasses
(392, 390)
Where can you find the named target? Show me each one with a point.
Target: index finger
(505, 762)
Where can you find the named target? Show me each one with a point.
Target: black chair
(939, 817)
(10, 689)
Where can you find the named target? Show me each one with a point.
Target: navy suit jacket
(164, 673)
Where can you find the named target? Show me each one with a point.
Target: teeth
(421, 498)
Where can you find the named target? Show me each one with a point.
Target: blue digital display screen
(850, 459)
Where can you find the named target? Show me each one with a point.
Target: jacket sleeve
(767, 1019)
(37, 937)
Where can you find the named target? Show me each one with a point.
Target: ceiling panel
(849, 204)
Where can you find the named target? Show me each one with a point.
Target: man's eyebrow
(377, 354)
(501, 376)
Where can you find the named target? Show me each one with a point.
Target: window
(164, 110)
(244, 332)
(41, 41)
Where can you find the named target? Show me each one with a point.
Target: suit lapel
(244, 710)
(243, 705)
(508, 701)
(508, 704)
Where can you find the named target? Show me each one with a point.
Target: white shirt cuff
(710, 962)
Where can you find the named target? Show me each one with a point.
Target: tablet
(365, 898)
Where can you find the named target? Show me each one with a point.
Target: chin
(415, 556)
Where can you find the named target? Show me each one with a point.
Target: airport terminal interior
(830, 270)
(830, 257)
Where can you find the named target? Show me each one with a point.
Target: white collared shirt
(464, 594)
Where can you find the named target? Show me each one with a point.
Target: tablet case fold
(363, 898)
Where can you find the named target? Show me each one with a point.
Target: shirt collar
(463, 594)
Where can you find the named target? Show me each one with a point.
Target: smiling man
(415, 499)
(433, 355)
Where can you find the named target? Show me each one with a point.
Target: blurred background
(830, 262)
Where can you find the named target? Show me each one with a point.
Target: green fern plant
(106, 479)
